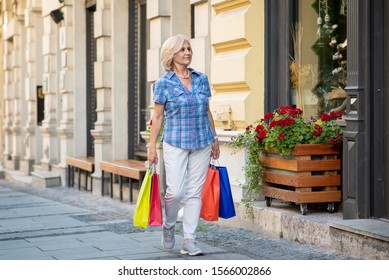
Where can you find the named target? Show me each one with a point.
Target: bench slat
(128, 168)
(85, 163)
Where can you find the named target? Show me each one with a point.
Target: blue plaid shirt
(186, 124)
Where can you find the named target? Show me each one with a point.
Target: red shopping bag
(155, 218)
(211, 195)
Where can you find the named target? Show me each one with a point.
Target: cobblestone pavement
(65, 223)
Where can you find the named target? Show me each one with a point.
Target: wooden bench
(86, 164)
(131, 169)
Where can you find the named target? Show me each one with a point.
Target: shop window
(318, 63)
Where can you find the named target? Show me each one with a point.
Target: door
(380, 101)
(91, 114)
(138, 87)
(386, 120)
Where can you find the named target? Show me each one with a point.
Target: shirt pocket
(202, 101)
(175, 100)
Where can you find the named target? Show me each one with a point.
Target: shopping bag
(226, 205)
(210, 196)
(142, 208)
(155, 218)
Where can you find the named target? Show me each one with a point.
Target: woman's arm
(215, 152)
(157, 121)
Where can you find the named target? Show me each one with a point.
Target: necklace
(184, 76)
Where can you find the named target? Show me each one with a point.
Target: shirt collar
(170, 73)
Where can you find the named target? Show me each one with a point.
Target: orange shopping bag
(155, 218)
(211, 195)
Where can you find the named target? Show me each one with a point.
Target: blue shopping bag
(226, 204)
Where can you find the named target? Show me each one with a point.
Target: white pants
(185, 177)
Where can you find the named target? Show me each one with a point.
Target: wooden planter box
(311, 174)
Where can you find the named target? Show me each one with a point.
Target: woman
(189, 139)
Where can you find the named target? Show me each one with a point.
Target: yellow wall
(237, 66)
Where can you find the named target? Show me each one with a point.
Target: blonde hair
(170, 47)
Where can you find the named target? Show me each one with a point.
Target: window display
(318, 66)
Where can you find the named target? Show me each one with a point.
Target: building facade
(77, 79)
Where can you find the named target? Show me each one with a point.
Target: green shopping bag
(142, 208)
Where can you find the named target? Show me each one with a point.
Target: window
(40, 105)
(318, 62)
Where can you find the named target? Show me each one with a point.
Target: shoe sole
(198, 253)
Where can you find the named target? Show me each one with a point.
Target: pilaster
(102, 132)
(51, 93)
(166, 18)
(32, 139)
(119, 51)
(201, 41)
(66, 85)
(17, 85)
(8, 96)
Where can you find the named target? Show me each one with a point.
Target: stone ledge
(366, 239)
(284, 221)
(42, 179)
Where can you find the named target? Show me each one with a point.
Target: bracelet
(215, 138)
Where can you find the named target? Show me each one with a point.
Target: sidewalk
(36, 224)
(68, 224)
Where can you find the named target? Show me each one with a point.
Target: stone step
(362, 238)
(366, 239)
(43, 179)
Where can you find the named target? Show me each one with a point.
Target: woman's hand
(215, 152)
(153, 156)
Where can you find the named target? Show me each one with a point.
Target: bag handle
(213, 165)
(152, 168)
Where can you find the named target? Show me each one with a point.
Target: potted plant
(289, 156)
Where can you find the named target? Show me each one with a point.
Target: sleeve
(158, 93)
(205, 86)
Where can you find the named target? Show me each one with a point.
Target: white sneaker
(189, 248)
(168, 240)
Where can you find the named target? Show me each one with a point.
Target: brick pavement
(68, 224)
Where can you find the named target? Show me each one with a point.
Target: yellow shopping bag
(142, 208)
